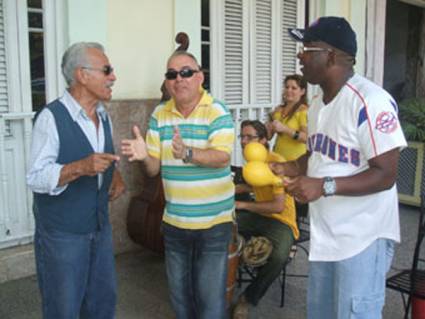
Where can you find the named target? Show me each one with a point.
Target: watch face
(329, 186)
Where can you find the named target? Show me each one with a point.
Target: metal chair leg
(407, 308)
(282, 288)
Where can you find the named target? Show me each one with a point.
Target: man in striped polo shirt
(190, 140)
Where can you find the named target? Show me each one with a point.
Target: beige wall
(187, 15)
(86, 20)
(140, 37)
(355, 12)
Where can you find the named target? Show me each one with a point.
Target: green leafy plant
(412, 118)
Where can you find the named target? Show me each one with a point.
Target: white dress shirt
(44, 171)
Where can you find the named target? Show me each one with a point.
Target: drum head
(256, 251)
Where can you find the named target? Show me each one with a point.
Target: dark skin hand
(380, 175)
(91, 165)
(117, 187)
(292, 168)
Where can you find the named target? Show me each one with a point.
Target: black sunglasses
(184, 73)
(107, 69)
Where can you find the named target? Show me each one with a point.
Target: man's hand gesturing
(135, 149)
(97, 163)
(178, 147)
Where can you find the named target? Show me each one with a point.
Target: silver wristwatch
(329, 186)
(188, 156)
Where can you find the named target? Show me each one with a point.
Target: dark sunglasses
(185, 73)
(107, 69)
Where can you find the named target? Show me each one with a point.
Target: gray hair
(76, 56)
(183, 53)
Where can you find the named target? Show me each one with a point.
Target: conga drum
(235, 249)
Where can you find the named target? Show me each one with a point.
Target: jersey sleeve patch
(386, 122)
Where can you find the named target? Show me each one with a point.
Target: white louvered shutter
(262, 48)
(252, 53)
(233, 52)
(289, 46)
(3, 71)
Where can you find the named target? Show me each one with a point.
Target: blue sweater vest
(83, 207)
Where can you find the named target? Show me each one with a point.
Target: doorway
(403, 58)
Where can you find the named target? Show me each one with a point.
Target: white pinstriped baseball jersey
(360, 123)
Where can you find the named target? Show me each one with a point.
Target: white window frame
(54, 25)
(15, 124)
(17, 56)
(55, 43)
(375, 40)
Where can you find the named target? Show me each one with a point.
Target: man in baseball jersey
(348, 176)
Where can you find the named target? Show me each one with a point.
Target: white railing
(16, 220)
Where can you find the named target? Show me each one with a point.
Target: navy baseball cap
(335, 31)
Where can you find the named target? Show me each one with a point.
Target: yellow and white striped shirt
(196, 197)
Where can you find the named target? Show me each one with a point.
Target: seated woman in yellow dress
(289, 120)
(271, 215)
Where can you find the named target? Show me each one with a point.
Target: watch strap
(188, 155)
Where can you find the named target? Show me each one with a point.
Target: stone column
(125, 114)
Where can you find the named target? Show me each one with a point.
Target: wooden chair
(411, 282)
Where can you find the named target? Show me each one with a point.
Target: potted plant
(412, 117)
(411, 164)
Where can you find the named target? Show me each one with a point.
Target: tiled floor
(143, 288)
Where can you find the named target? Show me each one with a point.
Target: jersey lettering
(325, 145)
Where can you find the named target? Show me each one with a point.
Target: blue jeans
(196, 263)
(353, 288)
(76, 274)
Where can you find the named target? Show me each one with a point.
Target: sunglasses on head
(107, 69)
(184, 73)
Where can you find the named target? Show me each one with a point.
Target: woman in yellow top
(289, 120)
(271, 215)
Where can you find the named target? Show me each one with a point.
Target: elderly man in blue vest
(73, 176)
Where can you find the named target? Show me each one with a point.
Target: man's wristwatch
(188, 156)
(329, 186)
